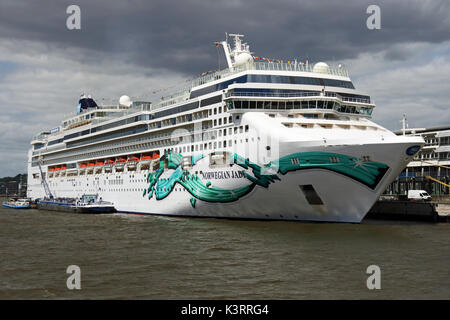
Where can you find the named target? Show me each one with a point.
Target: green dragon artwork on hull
(366, 172)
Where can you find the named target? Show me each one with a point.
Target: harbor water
(149, 257)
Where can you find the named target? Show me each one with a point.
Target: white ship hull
(343, 197)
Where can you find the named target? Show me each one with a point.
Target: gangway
(48, 193)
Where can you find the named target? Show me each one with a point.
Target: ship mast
(238, 49)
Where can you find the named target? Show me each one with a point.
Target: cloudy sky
(134, 47)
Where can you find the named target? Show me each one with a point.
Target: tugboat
(85, 204)
(15, 203)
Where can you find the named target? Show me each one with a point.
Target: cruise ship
(260, 139)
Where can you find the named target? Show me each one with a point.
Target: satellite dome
(243, 58)
(125, 101)
(321, 67)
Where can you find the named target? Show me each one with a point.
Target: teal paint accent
(369, 173)
(197, 158)
(365, 172)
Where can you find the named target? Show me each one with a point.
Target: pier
(410, 211)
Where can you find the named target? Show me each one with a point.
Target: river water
(148, 257)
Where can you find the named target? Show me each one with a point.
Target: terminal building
(430, 169)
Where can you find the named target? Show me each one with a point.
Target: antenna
(404, 124)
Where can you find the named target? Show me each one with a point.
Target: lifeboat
(155, 155)
(91, 164)
(100, 163)
(133, 159)
(51, 169)
(63, 168)
(122, 160)
(143, 158)
(83, 165)
(57, 168)
(110, 162)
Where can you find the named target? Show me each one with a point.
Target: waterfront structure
(430, 168)
(261, 139)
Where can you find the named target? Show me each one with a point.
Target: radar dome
(125, 101)
(242, 58)
(321, 67)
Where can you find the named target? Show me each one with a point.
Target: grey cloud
(178, 35)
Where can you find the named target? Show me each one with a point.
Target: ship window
(235, 130)
(215, 110)
(311, 195)
(215, 122)
(334, 159)
(224, 120)
(241, 129)
(244, 104)
(220, 109)
(281, 105)
(220, 122)
(320, 104)
(289, 105)
(224, 132)
(237, 104)
(230, 142)
(330, 105)
(246, 128)
(304, 104)
(225, 144)
(252, 104)
(274, 105)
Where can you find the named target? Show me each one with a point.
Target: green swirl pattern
(366, 172)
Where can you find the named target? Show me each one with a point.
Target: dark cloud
(178, 35)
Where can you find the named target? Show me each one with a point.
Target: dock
(409, 210)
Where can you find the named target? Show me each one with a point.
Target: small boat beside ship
(14, 203)
(85, 204)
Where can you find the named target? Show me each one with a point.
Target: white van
(418, 195)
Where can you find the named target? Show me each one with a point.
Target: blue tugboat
(17, 204)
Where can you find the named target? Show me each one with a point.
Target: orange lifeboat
(155, 155)
(83, 165)
(51, 169)
(100, 163)
(146, 158)
(110, 162)
(91, 164)
(122, 160)
(132, 159)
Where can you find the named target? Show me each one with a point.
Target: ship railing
(133, 145)
(295, 95)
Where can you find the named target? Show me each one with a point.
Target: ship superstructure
(257, 140)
